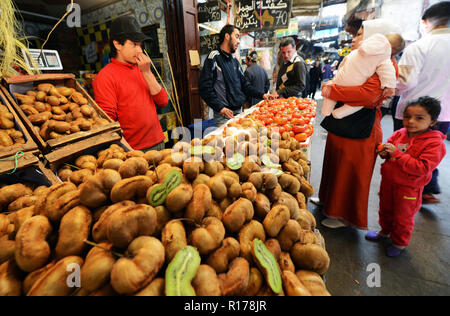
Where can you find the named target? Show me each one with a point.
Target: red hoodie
(415, 159)
(122, 92)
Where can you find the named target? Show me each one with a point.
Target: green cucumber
(172, 180)
(235, 162)
(265, 159)
(157, 195)
(268, 264)
(181, 271)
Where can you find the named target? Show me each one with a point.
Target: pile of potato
(150, 217)
(9, 135)
(58, 111)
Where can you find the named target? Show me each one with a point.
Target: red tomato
(292, 134)
(299, 129)
(302, 137)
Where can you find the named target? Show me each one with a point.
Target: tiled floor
(359, 267)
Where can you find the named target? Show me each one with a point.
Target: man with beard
(222, 84)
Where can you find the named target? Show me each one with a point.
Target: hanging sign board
(208, 43)
(253, 15)
(209, 11)
(263, 36)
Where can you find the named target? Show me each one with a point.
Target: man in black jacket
(222, 84)
(257, 76)
(292, 75)
(316, 78)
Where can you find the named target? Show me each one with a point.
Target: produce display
(224, 215)
(293, 117)
(167, 223)
(58, 111)
(9, 135)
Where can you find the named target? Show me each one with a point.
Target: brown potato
(256, 281)
(285, 262)
(223, 185)
(59, 200)
(22, 202)
(200, 204)
(10, 279)
(236, 280)
(135, 166)
(206, 282)
(54, 281)
(7, 249)
(313, 282)
(32, 249)
(292, 285)
(221, 257)
(73, 231)
(173, 237)
(209, 237)
(179, 198)
(32, 277)
(10, 193)
(145, 257)
(251, 231)
(80, 176)
(155, 288)
(97, 267)
(275, 221)
(310, 257)
(96, 190)
(127, 223)
(113, 164)
(237, 214)
(289, 235)
(132, 189)
(99, 230)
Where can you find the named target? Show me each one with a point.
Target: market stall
(244, 222)
(222, 215)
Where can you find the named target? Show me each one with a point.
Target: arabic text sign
(208, 43)
(209, 11)
(252, 15)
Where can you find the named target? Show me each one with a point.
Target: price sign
(253, 15)
(209, 11)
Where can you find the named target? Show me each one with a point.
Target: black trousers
(313, 88)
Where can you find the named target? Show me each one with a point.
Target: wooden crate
(22, 84)
(34, 173)
(55, 160)
(29, 146)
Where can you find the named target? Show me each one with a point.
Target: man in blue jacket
(222, 84)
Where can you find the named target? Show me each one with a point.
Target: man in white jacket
(425, 71)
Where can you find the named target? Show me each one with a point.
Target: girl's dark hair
(432, 105)
(439, 12)
(113, 48)
(227, 29)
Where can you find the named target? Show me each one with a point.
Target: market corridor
(424, 268)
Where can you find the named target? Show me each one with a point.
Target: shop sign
(252, 15)
(208, 43)
(209, 12)
(90, 51)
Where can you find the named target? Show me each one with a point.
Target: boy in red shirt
(127, 90)
(411, 154)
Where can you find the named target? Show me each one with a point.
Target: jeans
(220, 120)
(158, 147)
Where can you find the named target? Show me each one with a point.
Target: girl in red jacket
(411, 154)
